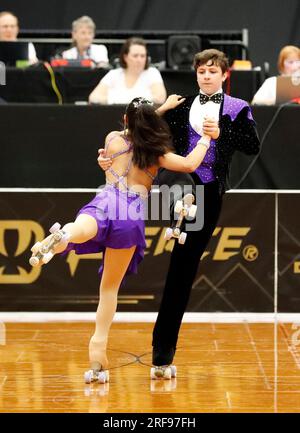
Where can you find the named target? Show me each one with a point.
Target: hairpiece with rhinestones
(141, 101)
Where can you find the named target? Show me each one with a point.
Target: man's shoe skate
(163, 372)
(162, 359)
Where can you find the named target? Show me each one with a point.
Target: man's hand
(172, 102)
(211, 128)
(103, 162)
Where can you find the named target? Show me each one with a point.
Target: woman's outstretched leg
(116, 263)
(81, 230)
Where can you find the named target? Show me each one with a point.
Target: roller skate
(163, 372)
(42, 252)
(162, 364)
(96, 375)
(184, 208)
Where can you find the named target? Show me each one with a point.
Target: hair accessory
(141, 101)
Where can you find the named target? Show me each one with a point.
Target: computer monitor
(287, 88)
(11, 52)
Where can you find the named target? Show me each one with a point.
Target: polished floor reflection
(241, 367)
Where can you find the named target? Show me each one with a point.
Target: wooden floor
(221, 368)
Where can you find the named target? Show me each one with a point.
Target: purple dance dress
(120, 218)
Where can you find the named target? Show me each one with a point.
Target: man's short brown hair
(217, 58)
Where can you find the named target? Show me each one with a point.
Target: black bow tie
(217, 98)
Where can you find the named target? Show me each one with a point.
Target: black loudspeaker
(181, 51)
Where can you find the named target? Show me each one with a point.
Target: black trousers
(181, 274)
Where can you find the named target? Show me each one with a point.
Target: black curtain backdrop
(271, 23)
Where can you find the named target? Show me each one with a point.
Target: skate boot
(162, 364)
(185, 208)
(96, 374)
(42, 252)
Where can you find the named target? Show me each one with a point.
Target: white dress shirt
(199, 111)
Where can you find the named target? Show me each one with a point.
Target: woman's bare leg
(116, 263)
(81, 230)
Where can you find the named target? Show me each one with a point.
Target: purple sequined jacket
(237, 132)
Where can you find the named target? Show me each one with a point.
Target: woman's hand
(211, 128)
(172, 102)
(103, 162)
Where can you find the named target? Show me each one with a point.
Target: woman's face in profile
(291, 64)
(136, 58)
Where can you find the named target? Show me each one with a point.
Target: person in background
(288, 64)
(83, 33)
(132, 79)
(9, 30)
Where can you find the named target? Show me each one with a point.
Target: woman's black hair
(148, 132)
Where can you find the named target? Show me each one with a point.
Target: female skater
(113, 221)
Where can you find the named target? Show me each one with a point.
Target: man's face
(8, 28)
(210, 77)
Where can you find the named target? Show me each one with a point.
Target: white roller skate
(42, 252)
(163, 372)
(99, 376)
(185, 208)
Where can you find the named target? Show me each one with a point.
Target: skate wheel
(57, 236)
(47, 257)
(154, 374)
(173, 370)
(168, 233)
(34, 261)
(176, 232)
(192, 211)
(36, 247)
(88, 376)
(182, 238)
(54, 228)
(178, 206)
(167, 373)
(188, 200)
(103, 376)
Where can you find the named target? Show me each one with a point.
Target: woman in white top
(288, 64)
(83, 33)
(133, 79)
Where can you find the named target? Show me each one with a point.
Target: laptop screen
(11, 52)
(287, 88)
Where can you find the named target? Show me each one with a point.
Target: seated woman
(288, 63)
(134, 78)
(83, 33)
